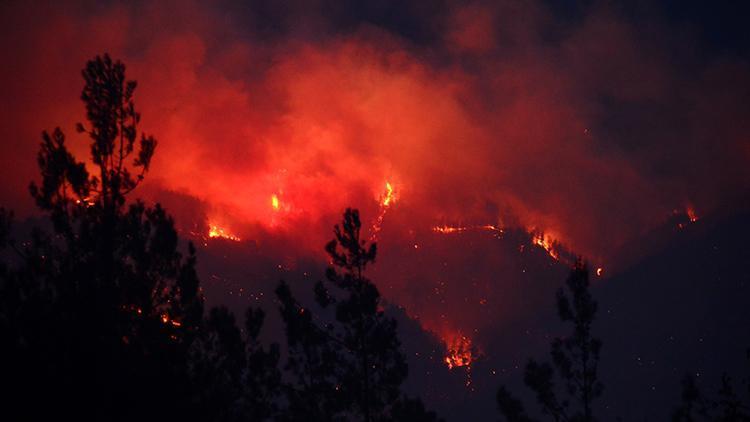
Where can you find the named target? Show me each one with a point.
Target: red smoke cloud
(592, 138)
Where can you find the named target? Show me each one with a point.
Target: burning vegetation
(215, 231)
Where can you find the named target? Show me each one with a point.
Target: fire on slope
(460, 351)
(446, 229)
(215, 231)
(386, 199)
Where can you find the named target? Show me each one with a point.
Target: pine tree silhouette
(728, 405)
(574, 360)
(102, 317)
(350, 367)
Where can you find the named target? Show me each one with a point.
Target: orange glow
(215, 231)
(275, 202)
(460, 352)
(599, 271)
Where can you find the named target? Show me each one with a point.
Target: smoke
(587, 127)
(591, 134)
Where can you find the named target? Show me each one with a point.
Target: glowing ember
(460, 352)
(275, 202)
(599, 271)
(692, 216)
(88, 201)
(215, 231)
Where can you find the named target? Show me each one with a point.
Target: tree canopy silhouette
(348, 366)
(103, 315)
(575, 359)
(727, 405)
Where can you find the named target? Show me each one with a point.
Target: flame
(386, 199)
(215, 231)
(448, 229)
(460, 352)
(599, 271)
(547, 243)
(275, 202)
(445, 229)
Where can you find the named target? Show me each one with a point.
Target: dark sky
(594, 127)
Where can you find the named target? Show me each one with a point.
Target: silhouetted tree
(351, 366)
(408, 409)
(574, 360)
(237, 378)
(314, 393)
(727, 406)
(102, 318)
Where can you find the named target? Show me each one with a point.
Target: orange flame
(445, 229)
(215, 231)
(275, 202)
(547, 243)
(387, 199)
(460, 352)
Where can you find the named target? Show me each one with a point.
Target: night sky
(486, 144)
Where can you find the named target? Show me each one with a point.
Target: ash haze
(539, 130)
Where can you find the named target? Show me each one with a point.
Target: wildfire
(546, 243)
(386, 199)
(445, 229)
(215, 231)
(461, 352)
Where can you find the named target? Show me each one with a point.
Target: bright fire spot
(388, 197)
(460, 352)
(445, 229)
(546, 243)
(216, 231)
(692, 216)
(448, 229)
(275, 202)
(599, 271)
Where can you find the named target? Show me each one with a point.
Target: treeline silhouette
(102, 315)
(566, 389)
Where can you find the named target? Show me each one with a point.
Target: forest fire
(445, 229)
(214, 231)
(546, 243)
(386, 199)
(460, 352)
